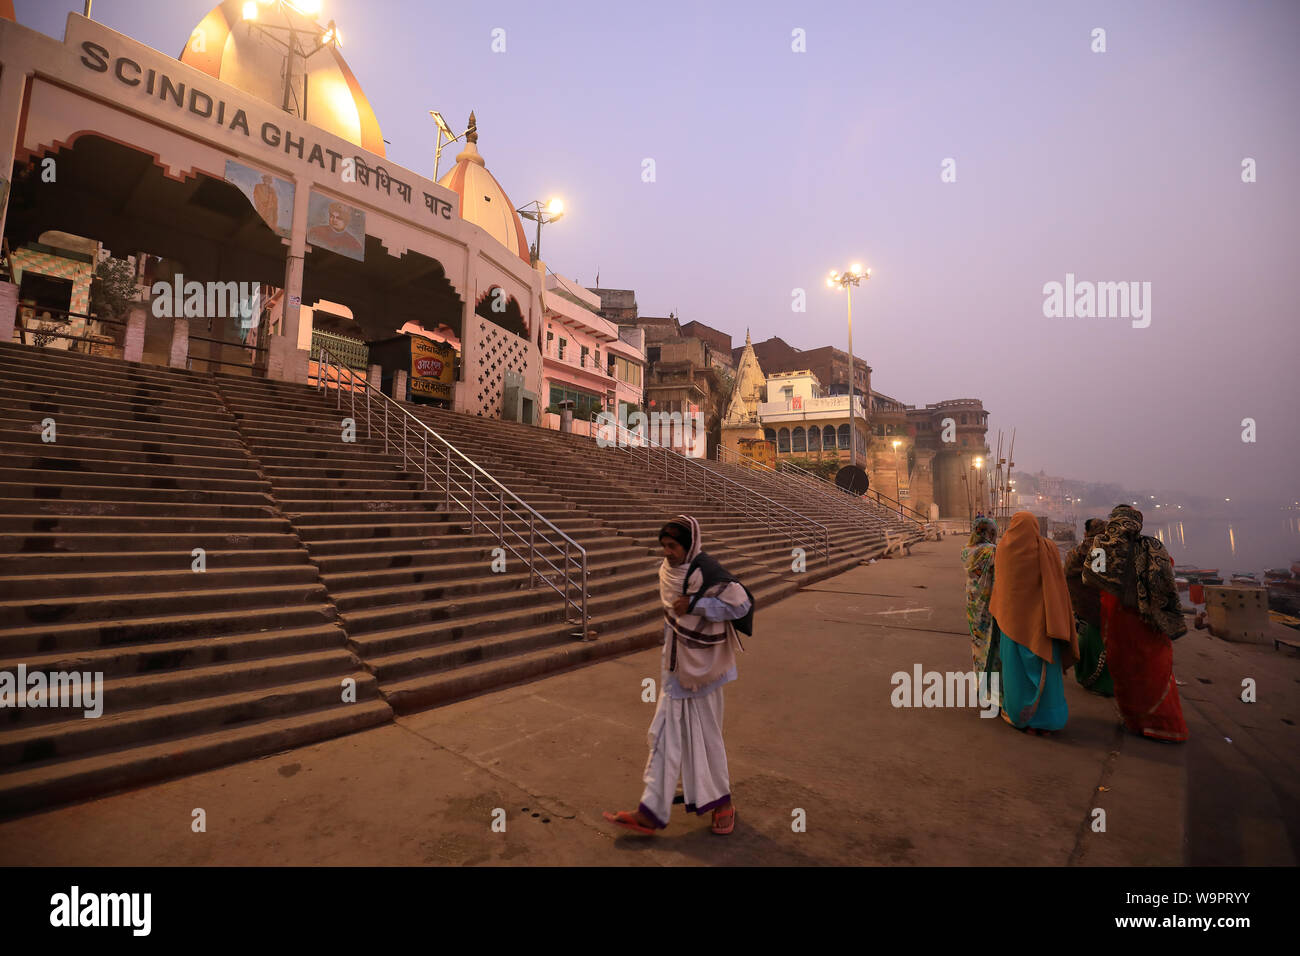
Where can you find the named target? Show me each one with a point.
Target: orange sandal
(627, 820)
(724, 821)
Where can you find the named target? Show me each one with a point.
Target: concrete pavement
(809, 728)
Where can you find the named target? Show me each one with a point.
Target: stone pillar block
(8, 310)
(180, 351)
(133, 344)
(399, 385)
(375, 376)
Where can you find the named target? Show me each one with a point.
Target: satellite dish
(852, 479)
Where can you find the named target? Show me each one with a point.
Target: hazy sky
(774, 166)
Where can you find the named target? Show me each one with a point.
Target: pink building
(583, 359)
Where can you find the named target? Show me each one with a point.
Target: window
(814, 439)
(626, 370)
(596, 363)
(769, 434)
(563, 343)
(828, 438)
(783, 440)
(788, 392)
(963, 419)
(800, 442)
(582, 359)
(844, 437)
(585, 404)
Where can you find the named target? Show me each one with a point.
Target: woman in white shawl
(699, 658)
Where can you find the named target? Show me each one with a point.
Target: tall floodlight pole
(541, 214)
(846, 281)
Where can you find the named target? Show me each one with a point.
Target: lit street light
(323, 38)
(846, 281)
(540, 214)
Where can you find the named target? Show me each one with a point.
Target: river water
(1251, 543)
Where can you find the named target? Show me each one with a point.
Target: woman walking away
(700, 599)
(1141, 615)
(1033, 628)
(1091, 670)
(977, 558)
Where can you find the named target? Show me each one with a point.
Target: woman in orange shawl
(1033, 628)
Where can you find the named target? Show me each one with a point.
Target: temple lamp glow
(540, 214)
(846, 281)
(292, 47)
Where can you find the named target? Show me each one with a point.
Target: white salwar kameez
(685, 736)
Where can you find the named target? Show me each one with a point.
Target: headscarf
(1139, 571)
(700, 650)
(977, 556)
(984, 529)
(1085, 597)
(1030, 600)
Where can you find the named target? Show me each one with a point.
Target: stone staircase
(98, 530)
(325, 560)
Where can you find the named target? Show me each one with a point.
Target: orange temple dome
(250, 54)
(482, 200)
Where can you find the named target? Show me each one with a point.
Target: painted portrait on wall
(334, 225)
(271, 196)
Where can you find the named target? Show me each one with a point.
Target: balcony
(574, 358)
(798, 409)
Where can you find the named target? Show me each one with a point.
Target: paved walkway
(809, 727)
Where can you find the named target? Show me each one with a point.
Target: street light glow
(556, 207)
(250, 10)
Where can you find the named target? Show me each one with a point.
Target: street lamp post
(898, 490)
(444, 130)
(846, 281)
(327, 37)
(540, 214)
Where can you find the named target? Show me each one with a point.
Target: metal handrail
(464, 483)
(695, 474)
(826, 489)
(790, 466)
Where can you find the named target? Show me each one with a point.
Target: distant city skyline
(773, 166)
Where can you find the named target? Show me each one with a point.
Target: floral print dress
(978, 561)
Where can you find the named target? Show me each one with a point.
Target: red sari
(1141, 664)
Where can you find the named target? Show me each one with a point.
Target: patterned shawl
(1138, 571)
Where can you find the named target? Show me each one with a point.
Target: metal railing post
(532, 547)
(426, 461)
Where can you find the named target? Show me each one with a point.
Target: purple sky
(772, 167)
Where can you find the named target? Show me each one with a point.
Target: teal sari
(1033, 690)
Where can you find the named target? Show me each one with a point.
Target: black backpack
(714, 573)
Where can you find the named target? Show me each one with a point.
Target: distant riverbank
(1228, 544)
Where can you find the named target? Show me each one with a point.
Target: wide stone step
(180, 657)
(178, 543)
(18, 642)
(111, 607)
(600, 577)
(126, 494)
(55, 483)
(179, 578)
(122, 725)
(33, 787)
(100, 507)
(144, 525)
